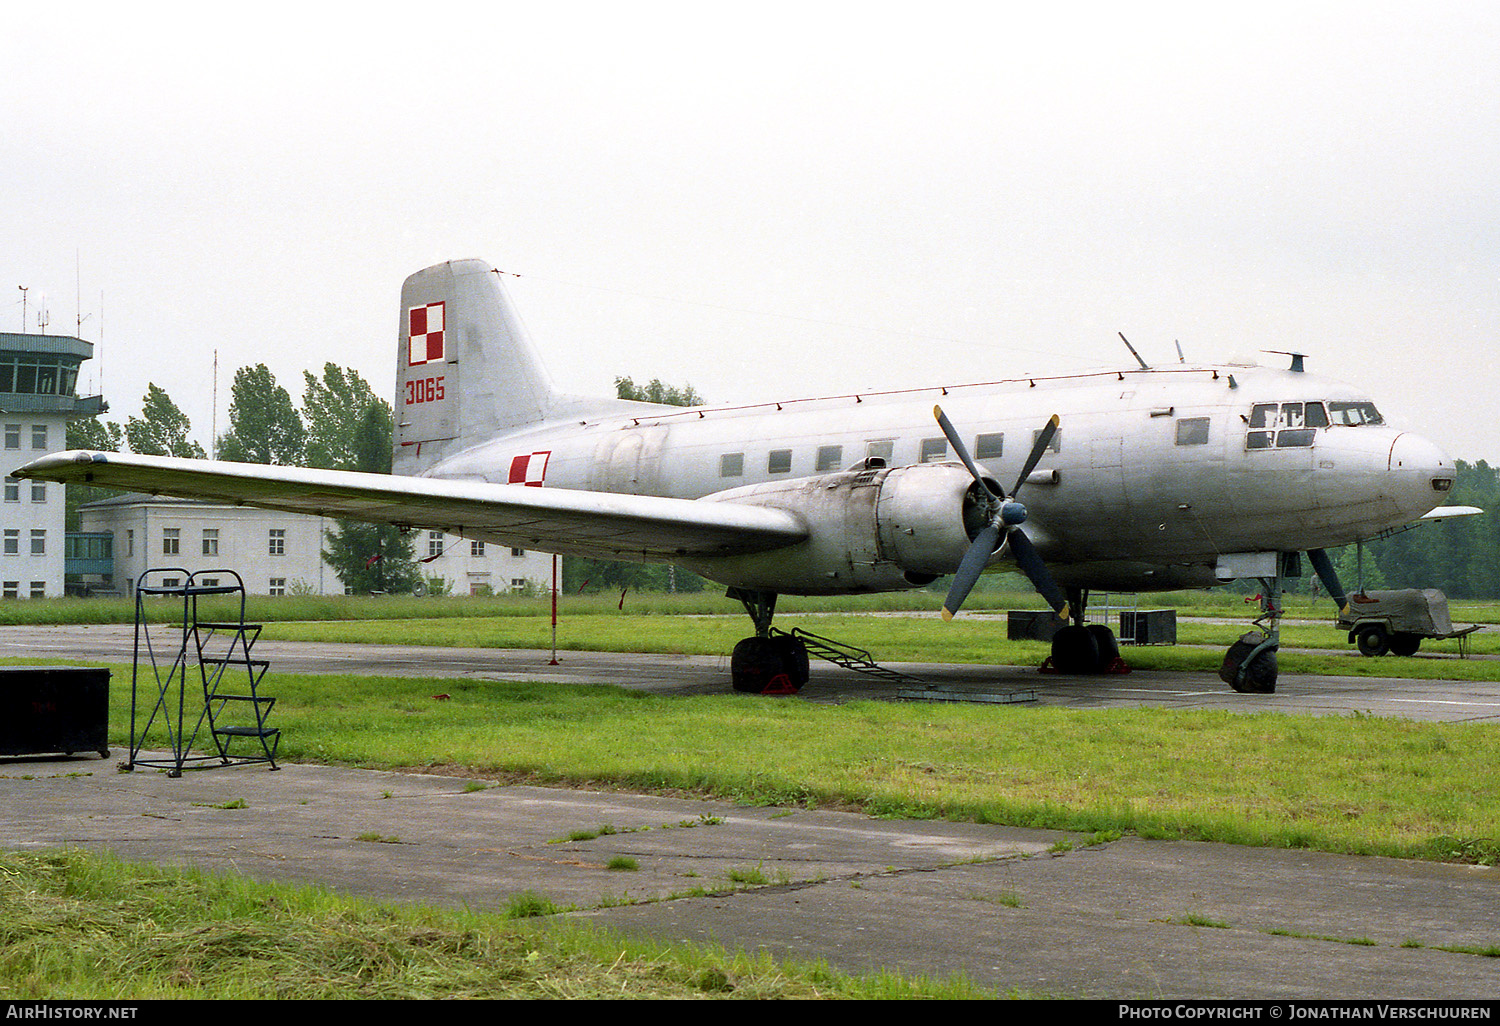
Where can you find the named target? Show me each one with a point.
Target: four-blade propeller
(1005, 516)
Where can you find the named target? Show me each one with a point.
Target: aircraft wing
(601, 525)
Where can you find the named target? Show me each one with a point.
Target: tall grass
(85, 926)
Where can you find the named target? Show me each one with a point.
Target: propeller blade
(967, 575)
(1035, 570)
(955, 440)
(1043, 439)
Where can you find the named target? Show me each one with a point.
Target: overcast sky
(767, 199)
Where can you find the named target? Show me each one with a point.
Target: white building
(38, 377)
(279, 553)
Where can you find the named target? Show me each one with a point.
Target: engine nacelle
(868, 530)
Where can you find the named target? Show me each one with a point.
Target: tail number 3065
(424, 390)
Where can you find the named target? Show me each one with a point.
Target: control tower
(38, 396)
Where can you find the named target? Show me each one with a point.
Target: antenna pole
(1144, 365)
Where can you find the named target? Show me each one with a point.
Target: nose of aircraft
(1424, 473)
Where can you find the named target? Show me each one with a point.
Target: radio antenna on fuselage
(1144, 365)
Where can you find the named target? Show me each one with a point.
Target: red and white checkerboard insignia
(425, 325)
(529, 470)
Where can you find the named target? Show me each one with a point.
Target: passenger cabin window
(829, 457)
(1192, 431)
(882, 448)
(1053, 446)
(779, 461)
(934, 450)
(732, 464)
(989, 447)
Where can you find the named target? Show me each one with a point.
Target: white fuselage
(1155, 474)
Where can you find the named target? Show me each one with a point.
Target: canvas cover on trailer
(1420, 611)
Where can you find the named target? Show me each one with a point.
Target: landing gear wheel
(1259, 676)
(1372, 640)
(1075, 650)
(776, 665)
(1405, 644)
(794, 662)
(1107, 643)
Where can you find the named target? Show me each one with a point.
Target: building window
(434, 544)
(518, 583)
(476, 548)
(129, 542)
(276, 542)
(12, 490)
(12, 589)
(277, 586)
(210, 541)
(38, 543)
(39, 436)
(171, 541)
(12, 436)
(38, 589)
(518, 553)
(171, 582)
(39, 491)
(934, 450)
(210, 582)
(779, 462)
(12, 542)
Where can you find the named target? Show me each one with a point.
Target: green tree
(372, 558)
(656, 392)
(336, 409)
(264, 426)
(95, 434)
(161, 429)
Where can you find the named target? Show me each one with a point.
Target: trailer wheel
(1372, 640)
(1405, 644)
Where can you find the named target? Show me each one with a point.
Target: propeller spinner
(1005, 516)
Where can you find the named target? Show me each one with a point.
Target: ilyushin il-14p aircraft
(1131, 480)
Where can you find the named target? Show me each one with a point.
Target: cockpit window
(1294, 425)
(1354, 414)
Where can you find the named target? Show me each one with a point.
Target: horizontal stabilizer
(1448, 512)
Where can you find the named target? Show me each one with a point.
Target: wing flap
(601, 525)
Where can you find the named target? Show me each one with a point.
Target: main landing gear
(1084, 648)
(770, 662)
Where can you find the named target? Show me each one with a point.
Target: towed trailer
(1396, 621)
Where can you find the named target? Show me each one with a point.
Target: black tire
(753, 663)
(794, 661)
(757, 662)
(1257, 678)
(1107, 644)
(1372, 640)
(1075, 651)
(1405, 644)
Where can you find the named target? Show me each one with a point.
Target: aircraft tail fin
(465, 368)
